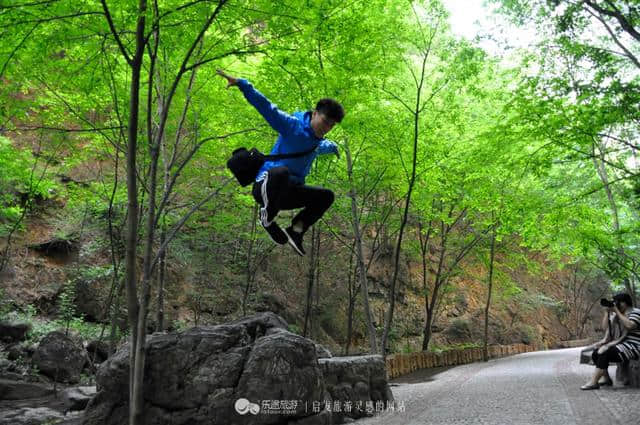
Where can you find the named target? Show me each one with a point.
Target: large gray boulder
(358, 385)
(90, 300)
(98, 351)
(227, 374)
(60, 358)
(10, 331)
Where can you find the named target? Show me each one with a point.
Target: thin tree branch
(67, 130)
(184, 219)
(49, 19)
(627, 52)
(615, 13)
(184, 162)
(16, 48)
(114, 32)
(35, 3)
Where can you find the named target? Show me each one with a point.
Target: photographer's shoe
(295, 240)
(605, 382)
(276, 233)
(587, 387)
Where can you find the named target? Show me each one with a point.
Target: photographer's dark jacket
(629, 348)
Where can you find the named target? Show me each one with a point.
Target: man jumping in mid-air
(280, 184)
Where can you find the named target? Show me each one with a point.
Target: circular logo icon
(244, 406)
(254, 409)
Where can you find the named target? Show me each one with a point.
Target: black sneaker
(295, 240)
(276, 233)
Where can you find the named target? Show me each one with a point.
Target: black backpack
(245, 164)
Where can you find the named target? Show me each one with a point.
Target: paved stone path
(527, 389)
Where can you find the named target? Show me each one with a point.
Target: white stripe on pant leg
(264, 216)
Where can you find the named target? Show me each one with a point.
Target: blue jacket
(294, 135)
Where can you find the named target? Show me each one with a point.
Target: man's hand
(602, 349)
(231, 81)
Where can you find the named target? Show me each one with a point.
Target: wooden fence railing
(402, 364)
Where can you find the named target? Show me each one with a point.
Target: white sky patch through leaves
(474, 20)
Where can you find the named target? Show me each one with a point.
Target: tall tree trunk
(138, 383)
(115, 316)
(351, 299)
(430, 308)
(598, 162)
(485, 350)
(430, 304)
(135, 398)
(113, 310)
(416, 112)
(165, 186)
(316, 323)
(427, 332)
(250, 266)
(362, 271)
(403, 223)
(161, 278)
(310, 278)
(424, 251)
(350, 309)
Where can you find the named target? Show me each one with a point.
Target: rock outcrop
(98, 351)
(19, 390)
(358, 384)
(11, 332)
(77, 398)
(60, 358)
(250, 371)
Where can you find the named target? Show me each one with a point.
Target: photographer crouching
(624, 348)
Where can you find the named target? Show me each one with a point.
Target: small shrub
(459, 329)
(293, 328)
(67, 309)
(460, 299)
(435, 348)
(179, 325)
(527, 334)
(95, 273)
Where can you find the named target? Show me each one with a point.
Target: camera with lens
(606, 303)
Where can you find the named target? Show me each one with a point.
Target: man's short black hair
(331, 108)
(624, 297)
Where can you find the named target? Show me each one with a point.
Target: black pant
(282, 194)
(610, 356)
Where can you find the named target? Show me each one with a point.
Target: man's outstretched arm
(327, 147)
(280, 121)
